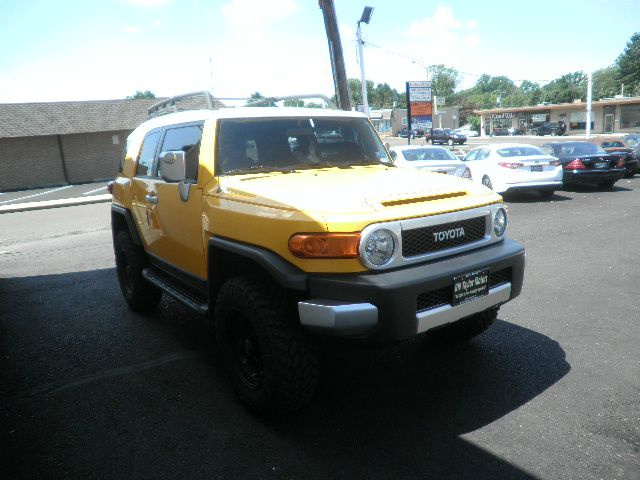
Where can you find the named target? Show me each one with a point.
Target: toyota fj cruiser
(282, 224)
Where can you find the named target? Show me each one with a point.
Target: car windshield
(519, 151)
(287, 144)
(428, 154)
(580, 149)
(612, 144)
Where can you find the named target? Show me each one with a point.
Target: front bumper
(396, 305)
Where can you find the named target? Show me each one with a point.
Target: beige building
(611, 115)
(447, 117)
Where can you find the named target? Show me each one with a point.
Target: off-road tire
(467, 328)
(130, 260)
(280, 374)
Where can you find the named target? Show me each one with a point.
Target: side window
(482, 154)
(186, 139)
(471, 155)
(147, 154)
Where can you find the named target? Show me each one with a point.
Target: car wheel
(486, 181)
(546, 194)
(467, 328)
(608, 184)
(271, 360)
(141, 295)
(553, 134)
(430, 142)
(450, 142)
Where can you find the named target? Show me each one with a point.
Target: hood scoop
(427, 198)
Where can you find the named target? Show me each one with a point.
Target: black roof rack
(272, 100)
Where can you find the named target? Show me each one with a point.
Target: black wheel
(608, 184)
(630, 174)
(546, 194)
(450, 142)
(130, 260)
(271, 360)
(467, 328)
(486, 181)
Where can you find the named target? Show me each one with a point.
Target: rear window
(580, 149)
(296, 143)
(428, 154)
(519, 151)
(612, 144)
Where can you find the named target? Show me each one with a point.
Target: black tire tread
(289, 353)
(141, 295)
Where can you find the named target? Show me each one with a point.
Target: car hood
(373, 192)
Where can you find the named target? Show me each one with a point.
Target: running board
(177, 291)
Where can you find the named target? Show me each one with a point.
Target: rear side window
(147, 154)
(186, 139)
(471, 155)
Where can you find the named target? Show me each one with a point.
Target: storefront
(615, 115)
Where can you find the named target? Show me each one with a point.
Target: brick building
(57, 143)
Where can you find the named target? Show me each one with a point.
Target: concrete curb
(65, 202)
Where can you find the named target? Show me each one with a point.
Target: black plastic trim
(287, 275)
(188, 279)
(131, 223)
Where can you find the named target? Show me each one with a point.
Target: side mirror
(394, 154)
(172, 166)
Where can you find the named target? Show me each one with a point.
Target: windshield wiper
(259, 169)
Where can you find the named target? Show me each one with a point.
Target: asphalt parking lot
(551, 391)
(53, 193)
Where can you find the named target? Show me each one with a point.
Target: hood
(354, 190)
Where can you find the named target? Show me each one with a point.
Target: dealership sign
(419, 105)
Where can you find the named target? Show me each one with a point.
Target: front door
(608, 122)
(179, 215)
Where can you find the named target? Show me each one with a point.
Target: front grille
(420, 241)
(442, 296)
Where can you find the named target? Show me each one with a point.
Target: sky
(108, 49)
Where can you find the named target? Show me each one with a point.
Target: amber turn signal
(325, 245)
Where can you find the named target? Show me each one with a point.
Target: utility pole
(335, 52)
(589, 79)
(366, 17)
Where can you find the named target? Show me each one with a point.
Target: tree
(294, 103)
(383, 96)
(444, 80)
(628, 64)
(566, 88)
(606, 82)
(474, 122)
(140, 94)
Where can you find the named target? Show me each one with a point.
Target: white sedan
(433, 159)
(506, 167)
(467, 132)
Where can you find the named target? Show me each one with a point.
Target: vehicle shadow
(90, 389)
(594, 188)
(533, 197)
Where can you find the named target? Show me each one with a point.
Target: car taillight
(466, 173)
(555, 163)
(110, 187)
(575, 165)
(620, 162)
(511, 165)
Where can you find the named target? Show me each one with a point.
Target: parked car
(631, 162)
(429, 158)
(548, 128)
(294, 225)
(584, 162)
(444, 135)
(506, 167)
(414, 132)
(467, 132)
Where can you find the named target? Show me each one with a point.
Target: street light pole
(365, 18)
(588, 130)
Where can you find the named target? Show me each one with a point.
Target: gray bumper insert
(338, 318)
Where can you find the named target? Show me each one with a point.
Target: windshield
(428, 154)
(287, 144)
(580, 149)
(519, 151)
(612, 144)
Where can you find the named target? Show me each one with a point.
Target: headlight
(500, 222)
(379, 247)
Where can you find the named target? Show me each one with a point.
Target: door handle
(151, 199)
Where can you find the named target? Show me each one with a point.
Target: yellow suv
(282, 224)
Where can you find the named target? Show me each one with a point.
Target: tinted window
(520, 151)
(580, 149)
(548, 149)
(428, 154)
(186, 139)
(612, 144)
(286, 143)
(147, 154)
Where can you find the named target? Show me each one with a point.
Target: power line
(419, 63)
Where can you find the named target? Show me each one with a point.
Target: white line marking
(36, 194)
(96, 190)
